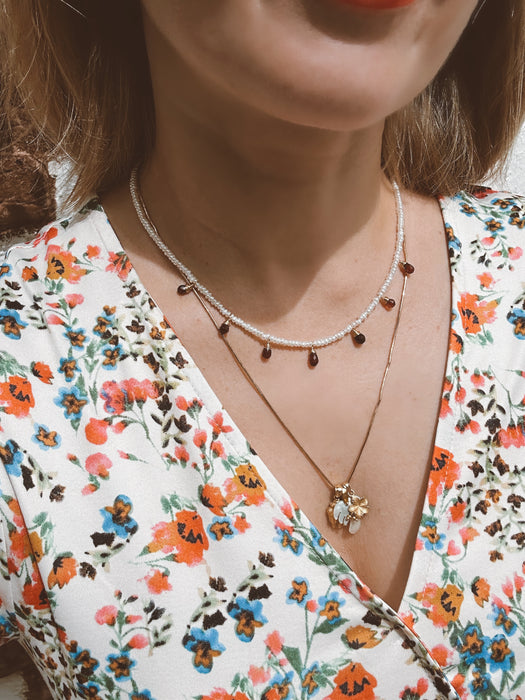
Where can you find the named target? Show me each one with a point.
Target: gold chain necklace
(346, 507)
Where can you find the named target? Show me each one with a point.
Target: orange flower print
(246, 485)
(20, 546)
(221, 694)
(456, 343)
(17, 395)
(97, 431)
(486, 280)
(441, 654)
(120, 264)
(353, 681)
(34, 593)
(42, 371)
(481, 590)
(29, 273)
(64, 569)
(184, 537)
(157, 582)
(360, 636)
(212, 497)
(37, 549)
(217, 423)
(61, 265)
(443, 473)
(443, 605)
(457, 511)
(513, 436)
(475, 313)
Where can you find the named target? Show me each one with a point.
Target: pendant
(346, 508)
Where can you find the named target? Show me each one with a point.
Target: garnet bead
(388, 302)
(183, 289)
(406, 267)
(358, 338)
(224, 327)
(267, 352)
(313, 360)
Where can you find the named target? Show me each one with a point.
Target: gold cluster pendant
(347, 508)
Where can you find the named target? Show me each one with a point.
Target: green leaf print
(294, 657)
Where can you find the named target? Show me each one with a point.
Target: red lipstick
(377, 4)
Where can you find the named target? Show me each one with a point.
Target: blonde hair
(80, 71)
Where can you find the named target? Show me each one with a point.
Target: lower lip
(377, 4)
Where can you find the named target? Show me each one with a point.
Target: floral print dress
(146, 552)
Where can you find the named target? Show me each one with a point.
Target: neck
(256, 192)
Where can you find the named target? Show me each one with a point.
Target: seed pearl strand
(269, 340)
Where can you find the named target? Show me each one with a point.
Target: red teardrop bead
(183, 289)
(266, 352)
(313, 360)
(358, 338)
(406, 267)
(388, 302)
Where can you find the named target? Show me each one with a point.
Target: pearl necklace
(269, 340)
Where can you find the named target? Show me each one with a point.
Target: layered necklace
(346, 508)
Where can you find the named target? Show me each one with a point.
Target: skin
(266, 181)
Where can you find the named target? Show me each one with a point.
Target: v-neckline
(239, 442)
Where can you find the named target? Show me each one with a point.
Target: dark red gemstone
(266, 352)
(388, 302)
(406, 268)
(358, 338)
(183, 289)
(224, 327)
(313, 360)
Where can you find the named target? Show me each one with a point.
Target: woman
(149, 551)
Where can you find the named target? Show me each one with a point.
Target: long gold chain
(346, 508)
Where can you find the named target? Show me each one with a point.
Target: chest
(329, 410)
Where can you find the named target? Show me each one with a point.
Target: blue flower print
(83, 658)
(103, 322)
(112, 354)
(142, 695)
(309, 682)
(68, 367)
(11, 323)
(248, 615)
(282, 684)
(12, 457)
(480, 683)
(517, 318)
(330, 607)
(318, 541)
(299, 593)
(6, 628)
(205, 646)
(76, 337)
(288, 541)
(431, 538)
(5, 270)
(502, 620)
(45, 438)
(120, 665)
(499, 655)
(117, 518)
(473, 645)
(72, 401)
(221, 528)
